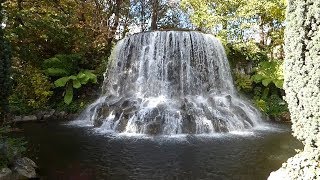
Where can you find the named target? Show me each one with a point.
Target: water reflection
(68, 152)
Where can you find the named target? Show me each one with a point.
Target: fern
(66, 67)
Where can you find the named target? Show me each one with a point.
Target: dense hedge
(302, 86)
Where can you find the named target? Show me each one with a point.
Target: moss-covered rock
(302, 86)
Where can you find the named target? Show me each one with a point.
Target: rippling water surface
(68, 152)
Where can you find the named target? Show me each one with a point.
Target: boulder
(25, 167)
(49, 114)
(17, 119)
(29, 118)
(5, 173)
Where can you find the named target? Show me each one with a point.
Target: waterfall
(170, 82)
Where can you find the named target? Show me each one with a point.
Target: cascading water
(170, 82)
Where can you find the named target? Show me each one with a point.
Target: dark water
(66, 152)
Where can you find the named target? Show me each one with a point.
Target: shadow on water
(67, 152)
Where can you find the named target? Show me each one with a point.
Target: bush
(32, 91)
(270, 103)
(10, 148)
(74, 107)
(244, 55)
(258, 77)
(243, 82)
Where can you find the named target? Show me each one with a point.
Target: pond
(69, 152)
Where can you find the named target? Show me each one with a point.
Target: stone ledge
(44, 116)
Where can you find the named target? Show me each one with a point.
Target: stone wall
(302, 86)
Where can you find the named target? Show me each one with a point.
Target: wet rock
(154, 128)
(103, 112)
(129, 106)
(25, 167)
(241, 113)
(40, 115)
(130, 110)
(71, 116)
(188, 124)
(49, 114)
(220, 125)
(123, 123)
(17, 119)
(207, 112)
(61, 114)
(29, 118)
(126, 103)
(115, 101)
(97, 122)
(5, 174)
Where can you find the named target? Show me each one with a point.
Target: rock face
(302, 86)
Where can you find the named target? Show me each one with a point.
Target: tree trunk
(262, 34)
(154, 19)
(114, 27)
(143, 14)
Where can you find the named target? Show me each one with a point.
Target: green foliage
(263, 82)
(238, 20)
(67, 68)
(269, 102)
(243, 82)
(274, 105)
(32, 90)
(268, 10)
(75, 106)
(76, 82)
(201, 15)
(269, 72)
(83, 77)
(242, 54)
(66, 38)
(10, 148)
(62, 65)
(5, 66)
(70, 82)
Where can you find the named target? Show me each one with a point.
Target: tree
(5, 64)
(234, 19)
(157, 14)
(154, 18)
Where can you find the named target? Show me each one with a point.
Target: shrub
(10, 148)
(32, 90)
(243, 82)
